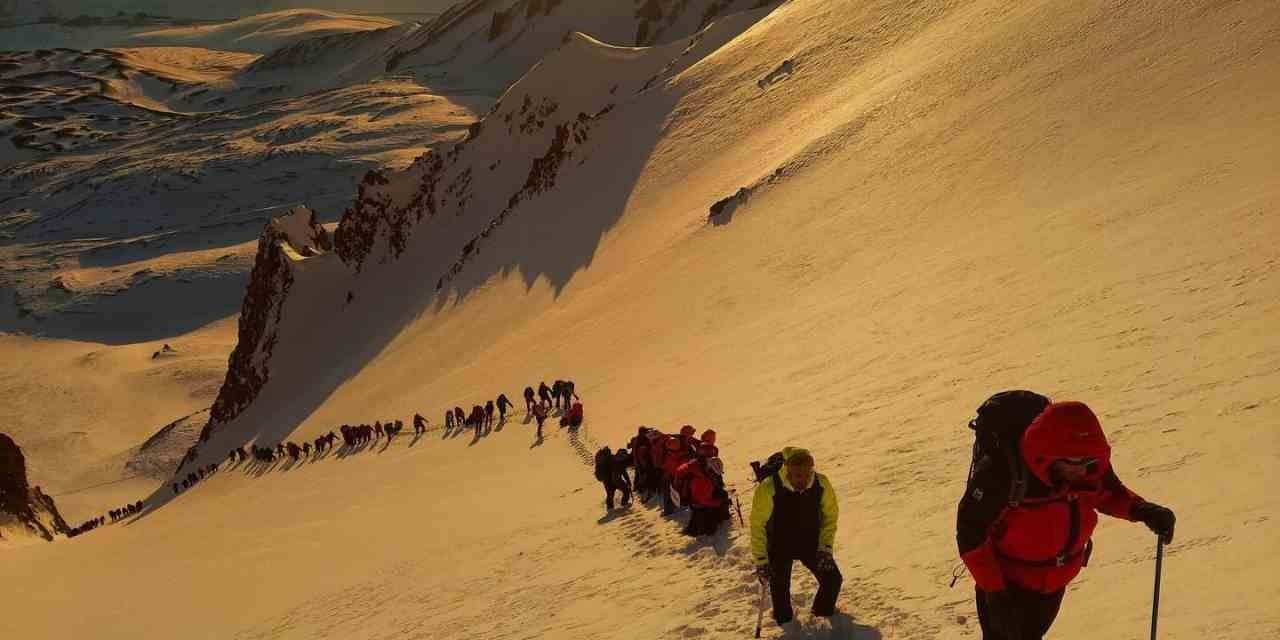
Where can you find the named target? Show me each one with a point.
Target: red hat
(1065, 430)
(709, 436)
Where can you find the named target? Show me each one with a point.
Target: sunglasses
(1089, 464)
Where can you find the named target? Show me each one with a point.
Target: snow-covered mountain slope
(918, 204)
(141, 177)
(78, 408)
(488, 44)
(265, 32)
(217, 27)
(135, 201)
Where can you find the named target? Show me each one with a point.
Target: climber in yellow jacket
(794, 515)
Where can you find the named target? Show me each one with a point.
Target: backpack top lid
(603, 460)
(769, 467)
(1006, 415)
(715, 466)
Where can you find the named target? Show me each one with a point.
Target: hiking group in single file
(1040, 474)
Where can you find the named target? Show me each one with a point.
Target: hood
(1065, 430)
(787, 453)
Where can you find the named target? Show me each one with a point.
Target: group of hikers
(559, 395)
(1041, 473)
(114, 515)
(682, 469)
(195, 477)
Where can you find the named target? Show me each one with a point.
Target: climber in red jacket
(701, 487)
(1023, 550)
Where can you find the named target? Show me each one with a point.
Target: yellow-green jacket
(790, 522)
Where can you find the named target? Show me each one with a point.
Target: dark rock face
(249, 367)
(21, 503)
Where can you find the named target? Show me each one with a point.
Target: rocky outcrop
(25, 511)
(287, 239)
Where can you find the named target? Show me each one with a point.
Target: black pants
(617, 485)
(1038, 610)
(704, 521)
(664, 486)
(824, 603)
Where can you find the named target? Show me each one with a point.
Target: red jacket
(1042, 543)
(673, 455)
(695, 486)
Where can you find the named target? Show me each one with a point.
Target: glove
(764, 573)
(1004, 614)
(824, 563)
(1157, 518)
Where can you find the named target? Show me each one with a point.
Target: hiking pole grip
(1155, 601)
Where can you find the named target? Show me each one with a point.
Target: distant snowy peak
(500, 40)
(265, 32)
(331, 52)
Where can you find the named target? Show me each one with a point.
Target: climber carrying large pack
(610, 470)
(701, 487)
(794, 516)
(1041, 472)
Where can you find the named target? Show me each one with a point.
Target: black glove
(824, 562)
(1157, 518)
(764, 573)
(1004, 615)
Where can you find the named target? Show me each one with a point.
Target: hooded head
(687, 431)
(1066, 430)
(708, 436)
(798, 469)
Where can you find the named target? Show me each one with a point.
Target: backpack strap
(1017, 475)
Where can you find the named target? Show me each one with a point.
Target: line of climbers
(114, 515)
(193, 478)
(356, 435)
(481, 417)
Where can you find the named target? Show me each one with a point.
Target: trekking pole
(1155, 602)
(760, 609)
(738, 504)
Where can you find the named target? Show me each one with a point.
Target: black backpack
(604, 461)
(998, 428)
(770, 466)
